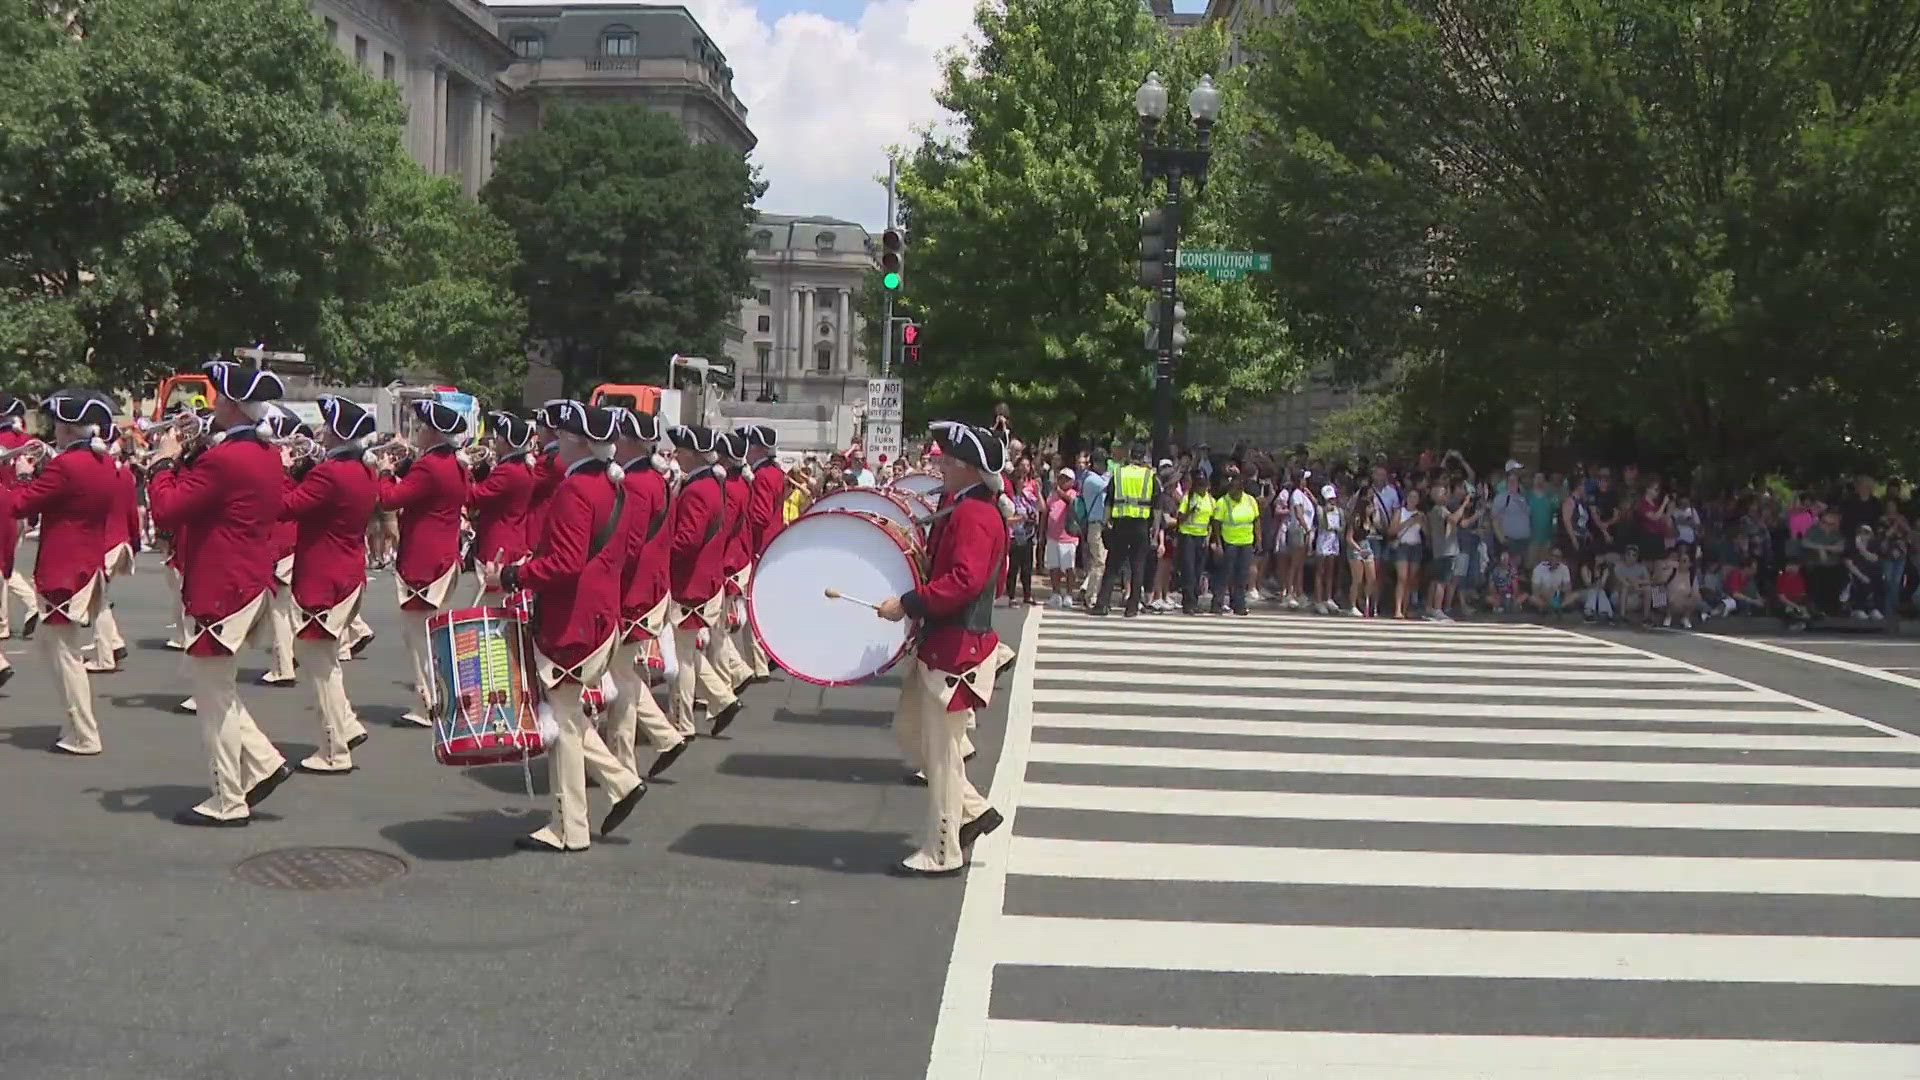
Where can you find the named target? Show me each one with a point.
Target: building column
(476, 170)
(793, 342)
(439, 121)
(809, 315)
(845, 327)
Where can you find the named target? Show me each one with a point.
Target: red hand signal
(910, 334)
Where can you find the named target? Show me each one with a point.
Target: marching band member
(958, 651)
(9, 537)
(429, 491)
(547, 471)
(502, 493)
(329, 504)
(575, 577)
(763, 517)
(122, 541)
(738, 560)
(231, 494)
(73, 495)
(13, 435)
(696, 582)
(286, 533)
(644, 600)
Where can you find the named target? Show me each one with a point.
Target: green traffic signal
(891, 281)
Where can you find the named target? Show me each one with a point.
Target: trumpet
(33, 447)
(302, 447)
(477, 454)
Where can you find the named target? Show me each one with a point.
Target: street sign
(1223, 265)
(885, 398)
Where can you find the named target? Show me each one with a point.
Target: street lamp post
(1176, 163)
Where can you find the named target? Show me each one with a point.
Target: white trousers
(577, 752)
(635, 710)
(338, 724)
(702, 667)
(415, 624)
(79, 731)
(239, 754)
(923, 722)
(18, 588)
(280, 621)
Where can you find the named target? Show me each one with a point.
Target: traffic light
(910, 343)
(1179, 327)
(893, 259)
(1154, 235)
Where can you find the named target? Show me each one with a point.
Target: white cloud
(826, 98)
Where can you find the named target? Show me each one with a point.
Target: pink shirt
(1057, 508)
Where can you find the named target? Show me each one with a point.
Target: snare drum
(834, 642)
(482, 662)
(899, 507)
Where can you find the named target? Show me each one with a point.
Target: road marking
(1814, 658)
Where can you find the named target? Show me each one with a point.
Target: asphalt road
(740, 926)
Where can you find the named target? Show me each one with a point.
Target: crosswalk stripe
(1069, 1051)
(1370, 850)
(1125, 861)
(1171, 666)
(1216, 725)
(1221, 703)
(1508, 954)
(1522, 664)
(1205, 682)
(1342, 807)
(1629, 772)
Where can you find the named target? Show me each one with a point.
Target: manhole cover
(311, 868)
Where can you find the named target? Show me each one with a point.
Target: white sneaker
(1876, 616)
(1686, 623)
(1669, 622)
(1356, 613)
(1253, 595)
(1859, 616)
(1293, 603)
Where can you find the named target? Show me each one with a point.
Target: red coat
(123, 520)
(329, 509)
(699, 539)
(286, 531)
(500, 506)
(73, 495)
(739, 536)
(763, 510)
(650, 541)
(228, 500)
(429, 498)
(9, 532)
(12, 438)
(968, 548)
(547, 473)
(576, 598)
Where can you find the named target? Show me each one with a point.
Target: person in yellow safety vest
(1130, 501)
(1236, 521)
(1195, 515)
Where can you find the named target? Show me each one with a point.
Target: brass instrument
(32, 447)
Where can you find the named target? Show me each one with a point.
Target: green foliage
(634, 241)
(435, 294)
(1687, 222)
(181, 176)
(1023, 229)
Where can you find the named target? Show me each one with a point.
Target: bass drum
(834, 642)
(899, 507)
(925, 485)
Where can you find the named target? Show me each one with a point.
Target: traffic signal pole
(1163, 346)
(886, 302)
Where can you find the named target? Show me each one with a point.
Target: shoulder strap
(720, 515)
(605, 532)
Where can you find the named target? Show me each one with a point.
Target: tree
(435, 292)
(1023, 228)
(181, 176)
(1685, 220)
(634, 242)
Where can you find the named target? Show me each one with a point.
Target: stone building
(802, 331)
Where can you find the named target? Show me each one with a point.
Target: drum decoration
(899, 507)
(489, 701)
(831, 641)
(652, 662)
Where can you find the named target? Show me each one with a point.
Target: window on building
(763, 352)
(765, 324)
(529, 46)
(766, 297)
(824, 241)
(619, 41)
(823, 358)
(360, 51)
(763, 241)
(333, 32)
(389, 68)
(826, 329)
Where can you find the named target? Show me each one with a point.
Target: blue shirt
(1093, 489)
